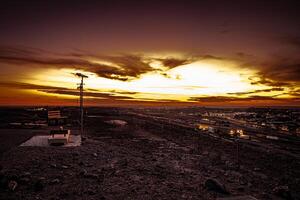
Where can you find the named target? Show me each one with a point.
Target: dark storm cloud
(28, 56)
(283, 71)
(113, 94)
(123, 67)
(279, 71)
(257, 91)
(295, 93)
(87, 94)
(220, 99)
(174, 62)
(24, 56)
(120, 92)
(129, 66)
(268, 82)
(20, 85)
(209, 56)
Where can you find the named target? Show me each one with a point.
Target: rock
(39, 184)
(88, 164)
(64, 167)
(243, 180)
(63, 194)
(27, 174)
(215, 156)
(214, 185)
(260, 175)
(257, 169)
(81, 163)
(76, 154)
(24, 180)
(123, 163)
(283, 192)
(90, 175)
(241, 189)
(3, 181)
(83, 172)
(53, 165)
(1, 173)
(55, 181)
(12, 185)
(95, 154)
(13, 175)
(230, 165)
(91, 191)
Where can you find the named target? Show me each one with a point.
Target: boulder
(39, 184)
(24, 180)
(64, 167)
(55, 181)
(12, 185)
(283, 192)
(214, 185)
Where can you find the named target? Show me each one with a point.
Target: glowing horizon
(154, 53)
(200, 78)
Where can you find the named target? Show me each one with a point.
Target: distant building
(236, 132)
(284, 128)
(206, 127)
(203, 127)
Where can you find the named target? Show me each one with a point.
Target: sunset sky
(206, 53)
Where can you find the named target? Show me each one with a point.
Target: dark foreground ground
(144, 160)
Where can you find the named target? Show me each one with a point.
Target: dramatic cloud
(219, 99)
(265, 81)
(127, 66)
(173, 62)
(156, 77)
(121, 67)
(86, 94)
(285, 70)
(19, 85)
(257, 91)
(281, 71)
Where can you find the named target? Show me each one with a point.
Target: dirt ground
(143, 160)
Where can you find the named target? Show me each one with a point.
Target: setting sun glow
(181, 83)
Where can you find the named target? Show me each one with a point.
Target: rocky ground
(144, 161)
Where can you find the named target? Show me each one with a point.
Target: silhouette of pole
(82, 76)
(81, 106)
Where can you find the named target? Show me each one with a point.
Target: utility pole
(82, 76)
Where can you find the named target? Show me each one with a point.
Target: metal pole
(82, 76)
(81, 107)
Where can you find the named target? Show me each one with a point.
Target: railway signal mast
(82, 76)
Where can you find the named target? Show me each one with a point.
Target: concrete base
(42, 141)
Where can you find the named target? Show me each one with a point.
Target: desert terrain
(140, 158)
